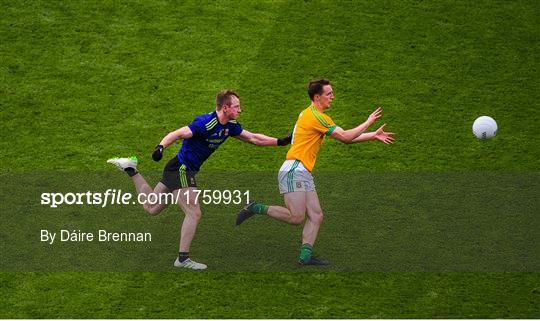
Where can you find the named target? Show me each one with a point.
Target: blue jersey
(208, 134)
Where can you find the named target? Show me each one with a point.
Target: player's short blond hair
(224, 98)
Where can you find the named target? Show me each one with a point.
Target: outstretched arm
(379, 134)
(262, 140)
(173, 136)
(169, 139)
(348, 136)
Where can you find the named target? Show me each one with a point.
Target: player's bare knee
(317, 218)
(152, 209)
(195, 214)
(296, 219)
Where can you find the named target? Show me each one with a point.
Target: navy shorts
(176, 176)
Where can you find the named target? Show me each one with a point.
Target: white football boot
(123, 163)
(190, 264)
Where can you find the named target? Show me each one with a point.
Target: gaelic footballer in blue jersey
(200, 139)
(207, 135)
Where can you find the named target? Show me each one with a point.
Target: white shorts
(294, 177)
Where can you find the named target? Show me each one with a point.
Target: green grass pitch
(438, 225)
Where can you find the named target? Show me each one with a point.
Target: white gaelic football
(484, 127)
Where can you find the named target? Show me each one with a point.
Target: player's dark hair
(315, 87)
(224, 98)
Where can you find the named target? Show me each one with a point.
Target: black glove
(284, 141)
(157, 155)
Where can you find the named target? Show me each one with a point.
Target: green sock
(305, 252)
(259, 208)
